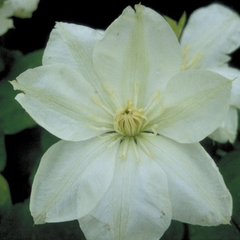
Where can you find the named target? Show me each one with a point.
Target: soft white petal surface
(228, 129)
(73, 45)
(232, 74)
(136, 206)
(189, 105)
(59, 99)
(24, 8)
(137, 54)
(197, 191)
(211, 33)
(71, 179)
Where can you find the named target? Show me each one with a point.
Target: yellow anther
(128, 121)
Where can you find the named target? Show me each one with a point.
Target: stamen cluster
(129, 121)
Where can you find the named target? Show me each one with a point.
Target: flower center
(129, 121)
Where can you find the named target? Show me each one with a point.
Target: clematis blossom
(130, 121)
(211, 34)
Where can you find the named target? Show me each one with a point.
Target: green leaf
(229, 166)
(7, 59)
(1, 3)
(174, 232)
(31, 60)
(230, 169)
(221, 232)
(19, 225)
(47, 139)
(5, 197)
(24, 151)
(177, 26)
(60, 231)
(12, 116)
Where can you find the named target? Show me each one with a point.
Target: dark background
(32, 34)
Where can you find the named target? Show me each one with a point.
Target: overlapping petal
(136, 205)
(211, 33)
(60, 100)
(24, 8)
(189, 105)
(233, 74)
(71, 179)
(73, 45)
(137, 54)
(227, 131)
(197, 191)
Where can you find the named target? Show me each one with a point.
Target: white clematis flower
(211, 34)
(130, 120)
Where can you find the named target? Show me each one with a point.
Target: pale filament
(136, 91)
(193, 63)
(99, 128)
(101, 120)
(100, 104)
(144, 148)
(128, 124)
(136, 152)
(108, 125)
(153, 102)
(114, 142)
(154, 108)
(125, 146)
(112, 96)
(154, 115)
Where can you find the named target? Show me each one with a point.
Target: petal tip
(40, 219)
(15, 85)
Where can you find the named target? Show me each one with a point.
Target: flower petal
(24, 8)
(135, 207)
(197, 191)
(66, 186)
(211, 33)
(72, 45)
(59, 99)
(232, 74)
(228, 129)
(137, 50)
(195, 103)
